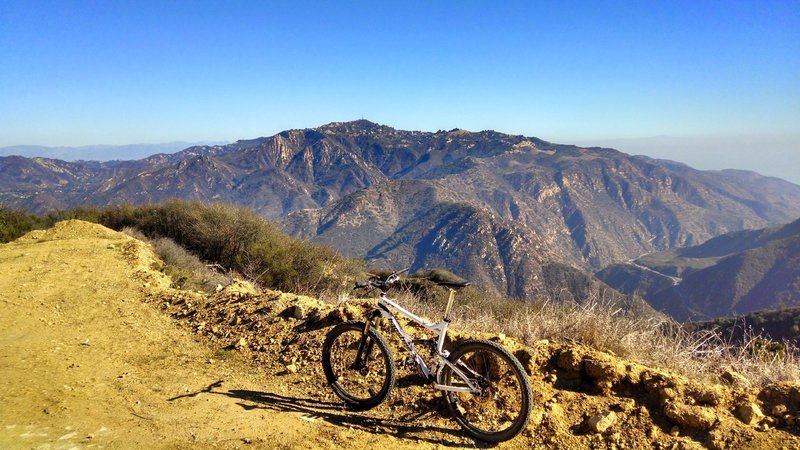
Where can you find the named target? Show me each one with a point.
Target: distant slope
(736, 273)
(98, 152)
(778, 324)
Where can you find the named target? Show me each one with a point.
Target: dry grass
(658, 342)
(186, 269)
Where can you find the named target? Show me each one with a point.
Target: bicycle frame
(385, 306)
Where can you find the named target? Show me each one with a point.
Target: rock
(735, 379)
(599, 423)
(218, 288)
(781, 394)
(708, 395)
(624, 405)
(666, 394)
(675, 431)
(779, 410)
(695, 417)
(570, 360)
(605, 373)
(291, 368)
(239, 289)
(242, 343)
(749, 413)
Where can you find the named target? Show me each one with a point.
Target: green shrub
(15, 223)
(239, 240)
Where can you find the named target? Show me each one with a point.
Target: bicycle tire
(360, 388)
(503, 409)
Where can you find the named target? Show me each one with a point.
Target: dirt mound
(72, 229)
(583, 398)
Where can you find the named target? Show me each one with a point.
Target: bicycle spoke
(363, 380)
(501, 408)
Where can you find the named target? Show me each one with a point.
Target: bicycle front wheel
(502, 409)
(360, 371)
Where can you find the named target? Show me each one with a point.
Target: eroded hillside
(98, 350)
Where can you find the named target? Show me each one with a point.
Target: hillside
(733, 274)
(779, 325)
(408, 194)
(101, 351)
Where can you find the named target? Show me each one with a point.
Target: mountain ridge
(586, 207)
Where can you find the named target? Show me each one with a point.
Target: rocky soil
(99, 351)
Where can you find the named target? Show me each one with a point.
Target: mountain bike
(485, 386)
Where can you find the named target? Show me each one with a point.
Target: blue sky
(77, 73)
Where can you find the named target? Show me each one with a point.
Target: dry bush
(239, 240)
(14, 223)
(186, 269)
(136, 234)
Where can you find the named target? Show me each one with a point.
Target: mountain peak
(351, 126)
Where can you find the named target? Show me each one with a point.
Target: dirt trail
(85, 363)
(98, 351)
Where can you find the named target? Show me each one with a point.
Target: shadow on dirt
(334, 413)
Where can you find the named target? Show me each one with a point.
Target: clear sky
(117, 72)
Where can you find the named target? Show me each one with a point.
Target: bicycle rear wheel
(502, 409)
(362, 379)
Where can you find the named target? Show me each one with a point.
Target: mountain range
(502, 210)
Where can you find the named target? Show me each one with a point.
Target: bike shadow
(335, 414)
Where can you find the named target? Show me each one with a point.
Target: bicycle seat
(453, 284)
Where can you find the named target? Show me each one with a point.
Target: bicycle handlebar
(382, 283)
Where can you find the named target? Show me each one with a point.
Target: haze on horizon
(715, 81)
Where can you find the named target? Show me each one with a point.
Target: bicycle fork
(365, 346)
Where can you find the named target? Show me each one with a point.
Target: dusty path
(86, 364)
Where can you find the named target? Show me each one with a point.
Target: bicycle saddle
(453, 284)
